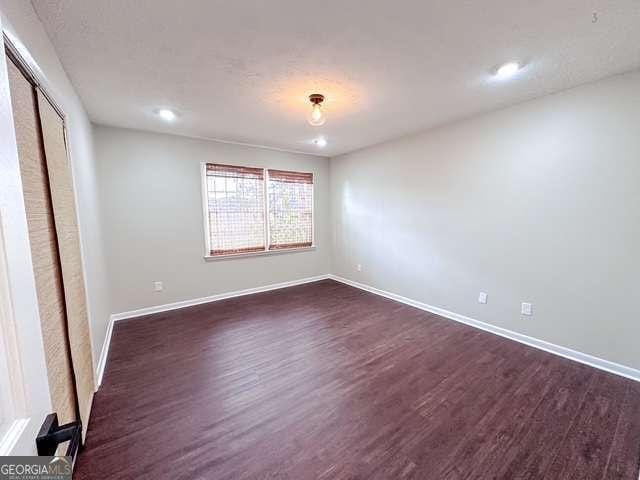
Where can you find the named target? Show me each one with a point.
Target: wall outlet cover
(157, 286)
(482, 298)
(526, 309)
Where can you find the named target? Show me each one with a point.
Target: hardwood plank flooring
(324, 381)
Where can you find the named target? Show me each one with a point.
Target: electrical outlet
(526, 309)
(482, 298)
(157, 286)
(359, 267)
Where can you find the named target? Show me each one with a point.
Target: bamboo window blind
(236, 209)
(290, 209)
(253, 210)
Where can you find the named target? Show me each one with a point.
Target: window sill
(258, 254)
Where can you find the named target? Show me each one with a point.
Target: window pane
(290, 209)
(236, 209)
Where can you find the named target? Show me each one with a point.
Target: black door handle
(51, 435)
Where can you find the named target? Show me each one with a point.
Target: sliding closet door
(44, 244)
(64, 211)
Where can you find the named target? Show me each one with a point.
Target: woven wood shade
(290, 177)
(290, 209)
(237, 213)
(235, 200)
(64, 211)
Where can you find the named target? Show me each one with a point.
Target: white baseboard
(104, 353)
(568, 353)
(574, 355)
(214, 298)
(186, 303)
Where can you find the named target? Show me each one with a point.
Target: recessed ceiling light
(166, 114)
(507, 70)
(321, 142)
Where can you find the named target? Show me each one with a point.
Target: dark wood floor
(323, 381)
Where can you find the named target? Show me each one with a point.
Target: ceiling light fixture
(321, 142)
(316, 118)
(166, 114)
(507, 70)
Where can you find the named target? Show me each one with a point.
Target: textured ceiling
(241, 70)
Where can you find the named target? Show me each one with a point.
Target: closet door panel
(44, 248)
(64, 208)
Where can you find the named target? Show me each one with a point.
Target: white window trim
(205, 217)
(259, 254)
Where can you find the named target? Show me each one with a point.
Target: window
(236, 209)
(290, 209)
(253, 210)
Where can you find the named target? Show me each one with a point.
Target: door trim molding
(21, 290)
(15, 53)
(12, 436)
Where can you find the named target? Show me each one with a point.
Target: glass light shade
(316, 118)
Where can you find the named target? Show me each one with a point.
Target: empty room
(286, 239)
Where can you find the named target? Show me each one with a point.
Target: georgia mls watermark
(35, 468)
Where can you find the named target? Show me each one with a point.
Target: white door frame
(22, 347)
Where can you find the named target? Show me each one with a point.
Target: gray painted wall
(535, 203)
(154, 230)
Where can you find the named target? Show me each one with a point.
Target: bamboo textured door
(43, 239)
(66, 220)
(55, 248)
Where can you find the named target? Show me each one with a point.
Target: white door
(24, 389)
